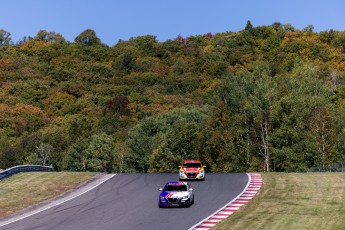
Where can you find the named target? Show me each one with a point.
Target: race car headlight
(162, 198)
(185, 197)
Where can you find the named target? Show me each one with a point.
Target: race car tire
(189, 203)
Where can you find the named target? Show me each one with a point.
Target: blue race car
(176, 193)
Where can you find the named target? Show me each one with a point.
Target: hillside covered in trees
(267, 98)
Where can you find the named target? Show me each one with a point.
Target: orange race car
(192, 170)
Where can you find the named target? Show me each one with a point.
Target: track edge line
(250, 179)
(48, 206)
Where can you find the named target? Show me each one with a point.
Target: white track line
(252, 187)
(53, 204)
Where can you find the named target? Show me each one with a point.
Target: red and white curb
(253, 186)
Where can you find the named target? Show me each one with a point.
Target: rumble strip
(254, 185)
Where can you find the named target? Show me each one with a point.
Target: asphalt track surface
(130, 201)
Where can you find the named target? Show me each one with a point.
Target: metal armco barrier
(24, 168)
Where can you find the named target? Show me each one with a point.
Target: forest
(266, 98)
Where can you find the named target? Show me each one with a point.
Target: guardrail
(24, 168)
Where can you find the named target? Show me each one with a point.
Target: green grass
(25, 189)
(293, 201)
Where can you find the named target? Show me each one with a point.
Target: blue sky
(113, 19)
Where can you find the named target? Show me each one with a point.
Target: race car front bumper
(192, 175)
(174, 202)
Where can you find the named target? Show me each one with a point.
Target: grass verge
(25, 189)
(293, 201)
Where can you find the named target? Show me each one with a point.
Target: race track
(130, 201)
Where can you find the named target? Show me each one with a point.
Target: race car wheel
(189, 203)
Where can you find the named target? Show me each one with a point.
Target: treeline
(267, 98)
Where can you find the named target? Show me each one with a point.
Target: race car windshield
(170, 188)
(192, 165)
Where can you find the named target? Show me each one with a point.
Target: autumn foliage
(266, 98)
